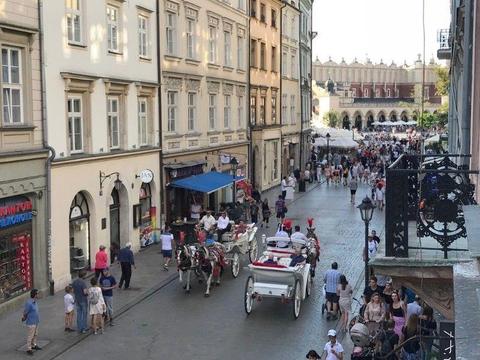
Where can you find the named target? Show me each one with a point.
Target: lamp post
(366, 211)
(328, 148)
(234, 164)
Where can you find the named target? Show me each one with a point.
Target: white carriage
(235, 246)
(271, 275)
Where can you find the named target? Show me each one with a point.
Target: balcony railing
(444, 45)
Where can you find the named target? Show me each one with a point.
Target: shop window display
(79, 234)
(15, 246)
(145, 223)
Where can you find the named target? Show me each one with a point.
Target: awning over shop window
(207, 182)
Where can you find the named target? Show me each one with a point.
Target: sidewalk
(147, 279)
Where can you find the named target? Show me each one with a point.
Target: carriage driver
(208, 221)
(223, 225)
(297, 235)
(298, 258)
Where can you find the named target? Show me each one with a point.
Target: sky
(383, 29)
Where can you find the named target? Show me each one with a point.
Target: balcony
(444, 51)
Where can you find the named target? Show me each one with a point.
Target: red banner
(24, 258)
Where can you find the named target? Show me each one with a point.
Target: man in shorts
(332, 279)
(167, 241)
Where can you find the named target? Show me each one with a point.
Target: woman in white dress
(97, 306)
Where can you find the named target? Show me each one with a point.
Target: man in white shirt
(223, 225)
(299, 236)
(333, 349)
(208, 221)
(284, 186)
(283, 234)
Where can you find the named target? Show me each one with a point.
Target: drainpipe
(281, 87)
(465, 124)
(247, 113)
(160, 132)
(301, 85)
(48, 168)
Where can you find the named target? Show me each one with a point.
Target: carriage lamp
(366, 211)
(103, 177)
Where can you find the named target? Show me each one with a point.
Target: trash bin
(301, 186)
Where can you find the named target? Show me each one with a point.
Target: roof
(207, 182)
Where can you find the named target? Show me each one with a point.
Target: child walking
(69, 303)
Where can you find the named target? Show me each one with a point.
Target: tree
(331, 118)
(443, 81)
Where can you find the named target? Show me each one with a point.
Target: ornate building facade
(365, 92)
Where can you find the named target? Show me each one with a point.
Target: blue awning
(207, 182)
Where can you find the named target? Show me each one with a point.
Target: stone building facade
(102, 100)
(23, 156)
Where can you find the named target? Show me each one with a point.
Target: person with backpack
(97, 306)
(389, 341)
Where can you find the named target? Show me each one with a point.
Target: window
(212, 111)
(171, 32)
(397, 93)
(75, 124)
(172, 110)
(142, 121)
(240, 53)
(263, 102)
(263, 15)
(426, 92)
(227, 48)
(191, 39)
(377, 93)
(253, 110)
(142, 36)
(74, 21)
(253, 53)
(284, 24)
(275, 160)
(227, 110)
(12, 86)
(274, 18)
(212, 44)
(263, 65)
(192, 110)
(389, 93)
(284, 63)
(113, 122)
(293, 66)
(293, 115)
(240, 111)
(293, 32)
(284, 108)
(253, 8)
(274, 110)
(365, 93)
(241, 4)
(354, 93)
(274, 59)
(112, 28)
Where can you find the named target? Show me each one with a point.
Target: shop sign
(15, 211)
(146, 176)
(447, 340)
(24, 258)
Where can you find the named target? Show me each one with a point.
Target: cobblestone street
(198, 325)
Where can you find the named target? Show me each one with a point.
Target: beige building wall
(265, 118)
(290, 101)
(102, 85)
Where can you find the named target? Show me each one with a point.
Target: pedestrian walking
(101, 261)
(411, 349)
(374, 313)
(353, 185)
(312, 355)
(379, 196)
(31, 319)
(332, 279)
(414, 307)
(266, 212)
(387, 295)
(333, 350)
(97, 306)
(126, 259)
(284, 186)
(428, 327)
(254, 209)
(167, 246)
(398, 312)
(344, 293)
(69, 304)
(81, 301)
(280, 209)
(107, 284)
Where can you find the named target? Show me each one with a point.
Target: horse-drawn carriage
(274, 276)
(208, 259)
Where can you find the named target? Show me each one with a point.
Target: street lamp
(328, 148)
(234, 164)
(366, 211)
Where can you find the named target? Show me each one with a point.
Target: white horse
(187, 262)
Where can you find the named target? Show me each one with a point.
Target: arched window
(79, 233)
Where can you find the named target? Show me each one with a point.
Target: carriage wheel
(308, 289)
(253, 253)
(249, 295)
(235, 264)
(297, 299)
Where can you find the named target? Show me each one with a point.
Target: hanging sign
(146, 176)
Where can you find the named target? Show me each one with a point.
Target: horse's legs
(209, 281)
(180, 277)
(188, 280)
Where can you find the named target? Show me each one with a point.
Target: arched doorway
(404, 116)
(358, 122)
(393, 116)
(346, 122)
(114, 224)
(415, 116)
(79, 233)
(381, 117)
(370, 120)
(286, 159)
